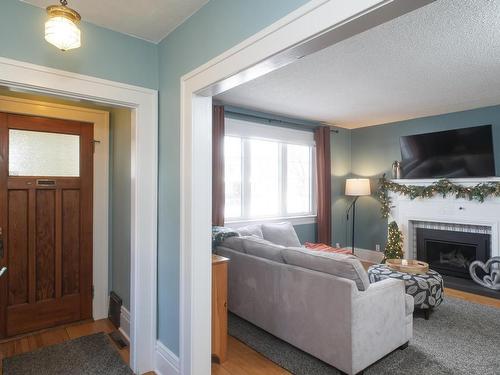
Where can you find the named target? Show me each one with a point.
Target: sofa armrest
(378, 322)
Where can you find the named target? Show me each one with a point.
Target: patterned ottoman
(426, 289)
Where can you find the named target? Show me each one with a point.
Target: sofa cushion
(234, 243)
(251, 230)
(281, 234)
(263, 248)
(341, 265)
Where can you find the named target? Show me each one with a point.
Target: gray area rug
(88, 355)
(461, 338)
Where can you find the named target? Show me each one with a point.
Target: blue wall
(120, 176)
(306, 232)
(104, 53)
(216, 27)
(375, 148)
(340, 147)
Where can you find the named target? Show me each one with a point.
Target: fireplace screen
(451, 253)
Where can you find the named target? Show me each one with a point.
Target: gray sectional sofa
(322, 303)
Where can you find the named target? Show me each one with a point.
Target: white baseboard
(125, 323)
(166, 362)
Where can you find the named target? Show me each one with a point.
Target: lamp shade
(357, 187)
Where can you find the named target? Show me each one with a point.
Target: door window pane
(34, 153)
(298, 179)
(232, 178)
(264, 178)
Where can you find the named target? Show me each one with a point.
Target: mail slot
(46, 182)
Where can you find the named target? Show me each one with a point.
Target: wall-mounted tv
(454, 153)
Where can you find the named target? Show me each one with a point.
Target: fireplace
(451, 252)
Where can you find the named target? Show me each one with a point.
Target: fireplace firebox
(451, 252)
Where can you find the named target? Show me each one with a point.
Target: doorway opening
(66, 193)
(314, 26)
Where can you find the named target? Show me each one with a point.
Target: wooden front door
(46, 183)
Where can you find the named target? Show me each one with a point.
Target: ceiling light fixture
(61, 29)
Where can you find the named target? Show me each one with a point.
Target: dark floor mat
(88, 355)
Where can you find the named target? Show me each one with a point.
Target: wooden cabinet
(219, 307)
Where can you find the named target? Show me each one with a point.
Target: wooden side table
(219, 307)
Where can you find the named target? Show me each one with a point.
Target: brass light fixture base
(63, 11)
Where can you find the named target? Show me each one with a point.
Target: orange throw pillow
(326, 248)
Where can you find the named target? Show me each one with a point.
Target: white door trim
(300, 33)
(100, 119)
(144, 162)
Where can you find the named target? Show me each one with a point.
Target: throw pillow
(281, 234)
(326, 248)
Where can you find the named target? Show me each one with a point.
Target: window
(33, 153)
(269, 172)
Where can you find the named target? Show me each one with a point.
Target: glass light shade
(357, 187)
(62, 32)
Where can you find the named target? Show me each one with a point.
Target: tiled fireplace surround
(446, 213)
(453, 227)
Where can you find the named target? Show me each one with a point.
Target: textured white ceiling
(441, 58)
(151, 20)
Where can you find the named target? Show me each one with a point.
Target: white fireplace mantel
(461, 181)
(406, 211)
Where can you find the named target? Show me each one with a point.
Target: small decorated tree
(394, 247)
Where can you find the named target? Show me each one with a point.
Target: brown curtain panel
(218, 191)
(324, 189)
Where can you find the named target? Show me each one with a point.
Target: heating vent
(115, 306)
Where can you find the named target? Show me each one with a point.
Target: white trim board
(125, 323)
(100, 119)
(249, 129)
(166, 362)
(144, 165)
(295, 220)
(316, 25)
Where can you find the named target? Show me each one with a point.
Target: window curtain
(218, 191)
(324, 190)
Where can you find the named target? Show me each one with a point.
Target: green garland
(442, 187)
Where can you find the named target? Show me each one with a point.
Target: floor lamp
(356, 187)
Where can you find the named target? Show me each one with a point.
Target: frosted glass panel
(43, 154)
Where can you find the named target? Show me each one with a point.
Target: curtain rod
(275, 120)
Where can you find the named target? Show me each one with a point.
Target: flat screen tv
(455, 153)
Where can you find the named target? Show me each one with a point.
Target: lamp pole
(356, 187)
(353, 222)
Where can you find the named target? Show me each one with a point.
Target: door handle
(2, 271)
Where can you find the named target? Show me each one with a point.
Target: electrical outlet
(337, 245)
(377, 247)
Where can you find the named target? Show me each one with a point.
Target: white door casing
(144, 177)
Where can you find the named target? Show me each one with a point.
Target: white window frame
(249, 130)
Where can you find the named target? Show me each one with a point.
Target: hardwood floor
(242, 360)
(493, 302)
(28, 343)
